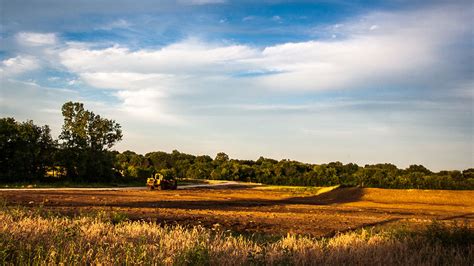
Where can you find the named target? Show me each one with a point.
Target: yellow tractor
(158, 181)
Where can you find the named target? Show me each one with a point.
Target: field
(269, 210)
(237, 225)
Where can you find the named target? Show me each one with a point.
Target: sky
(314, 81)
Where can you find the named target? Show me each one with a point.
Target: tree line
(82, 153)
(288, 172)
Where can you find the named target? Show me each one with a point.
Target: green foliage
(84, 129)
(118, 217)
(196, 255)
(449, 234)
(85, 140)
(168, 174)
(26, 150)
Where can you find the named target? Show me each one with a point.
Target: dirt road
(260, 209)
(228, 183)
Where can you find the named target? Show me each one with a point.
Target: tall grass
(28, 236)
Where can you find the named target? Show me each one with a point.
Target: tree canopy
(83, 129)
(85, 140)
(26, 150)
(83, 154)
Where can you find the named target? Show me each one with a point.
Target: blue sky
(314, 81)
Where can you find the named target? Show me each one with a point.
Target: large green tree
(26, 150)
(86, 139)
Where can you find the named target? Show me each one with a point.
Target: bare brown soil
(263, 209)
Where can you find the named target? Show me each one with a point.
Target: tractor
(158, 181)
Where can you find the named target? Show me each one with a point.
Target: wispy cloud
(116, 24)
(17, 65)
(401, 48)
(36, 39)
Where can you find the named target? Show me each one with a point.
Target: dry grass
(29, 236)
(272, 210)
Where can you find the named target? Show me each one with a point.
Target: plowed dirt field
(262, 209)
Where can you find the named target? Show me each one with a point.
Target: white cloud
(140, 76)
(17, 65)
(146, 79)
(147, 105)
(124, 80)
(406, 47)
(72, 82)
(373, 27)
(186, 57)
(410, 46)
(343, 64)
(36, 39)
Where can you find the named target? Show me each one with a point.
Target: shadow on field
(335, 196)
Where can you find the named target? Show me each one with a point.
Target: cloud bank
(234, 96)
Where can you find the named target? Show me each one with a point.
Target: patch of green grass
(196, 255)
(449, 234)
(118, 217)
